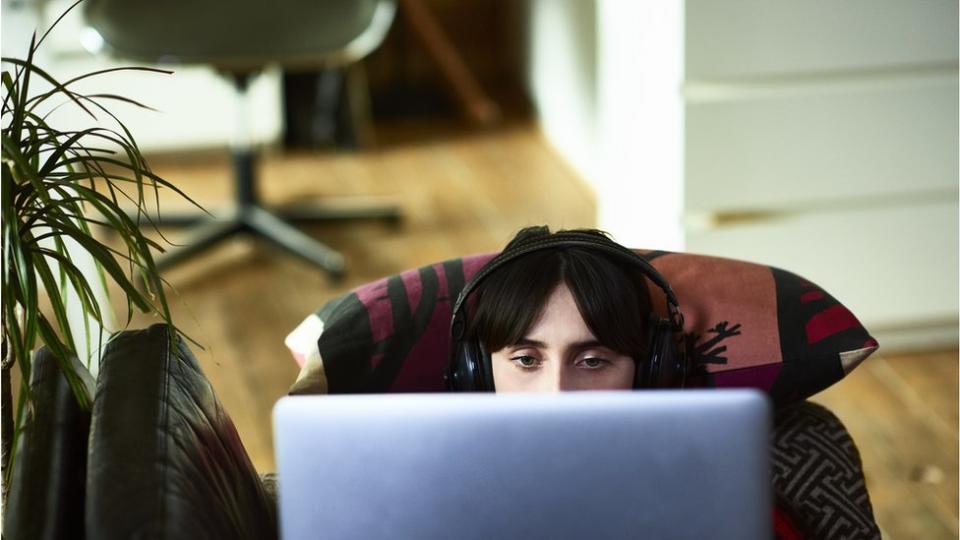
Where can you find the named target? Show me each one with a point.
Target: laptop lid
(651, 464)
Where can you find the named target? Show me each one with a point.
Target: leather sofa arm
(165, 459)
(46, 496)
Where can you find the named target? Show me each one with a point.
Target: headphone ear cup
(458, 375)
(669, 370)
(468, 372)
(660, 370)
(485, 369)
(647, 367)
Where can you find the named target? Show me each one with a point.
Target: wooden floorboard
(468, 191)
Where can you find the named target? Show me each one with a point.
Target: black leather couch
(158, 457)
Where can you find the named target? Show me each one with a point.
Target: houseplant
(57, 187)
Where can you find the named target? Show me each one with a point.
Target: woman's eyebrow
(527, 342)
(585, 344)
(588, 344)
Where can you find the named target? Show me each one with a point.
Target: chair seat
(237, 35)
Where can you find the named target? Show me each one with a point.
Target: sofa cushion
(746, 324)
(165, 459)
(817, 474)
(49, 475)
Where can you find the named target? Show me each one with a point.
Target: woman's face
(560, 353)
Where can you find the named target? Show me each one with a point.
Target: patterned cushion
(817, 474)
(747, 324)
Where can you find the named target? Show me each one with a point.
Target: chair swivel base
(307, 215)
(263, 224)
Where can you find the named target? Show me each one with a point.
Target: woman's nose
(552, 377)
(563, 379)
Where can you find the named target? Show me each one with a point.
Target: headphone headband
(566, 239)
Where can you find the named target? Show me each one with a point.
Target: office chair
(239, 38)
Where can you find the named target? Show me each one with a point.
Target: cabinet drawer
(756, 38)
(793, 151)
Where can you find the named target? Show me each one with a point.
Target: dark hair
(611, 295)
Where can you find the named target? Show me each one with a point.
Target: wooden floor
(464, 192)
(902, 412)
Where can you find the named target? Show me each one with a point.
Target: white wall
(562, 78)
(640, 122)
(605, 77)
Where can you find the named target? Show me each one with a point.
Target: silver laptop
(652, 464)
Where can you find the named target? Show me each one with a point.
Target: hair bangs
(611, 296)
(511, 299)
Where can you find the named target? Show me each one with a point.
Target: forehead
(560, 320)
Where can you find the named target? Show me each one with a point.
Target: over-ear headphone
(667, 366)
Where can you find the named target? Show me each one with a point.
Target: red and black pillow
(749, 325)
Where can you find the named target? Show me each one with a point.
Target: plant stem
(8, 427)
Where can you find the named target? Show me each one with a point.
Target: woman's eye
(593, 362)
(525, 362)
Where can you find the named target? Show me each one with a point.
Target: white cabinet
(822, 137)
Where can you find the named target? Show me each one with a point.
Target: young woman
(563, 311)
